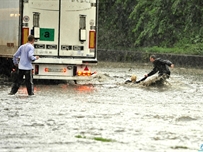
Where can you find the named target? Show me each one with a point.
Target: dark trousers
(19, 80)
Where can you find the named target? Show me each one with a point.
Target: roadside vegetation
(169, 26)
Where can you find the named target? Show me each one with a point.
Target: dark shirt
(161, 66)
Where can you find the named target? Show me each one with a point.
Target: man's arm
(16, 56)
(31, 55)
(155, 70)
(167, 62)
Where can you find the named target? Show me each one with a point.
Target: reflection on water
(85, 88)
(133, 116)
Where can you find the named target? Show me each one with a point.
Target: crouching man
(161, 66)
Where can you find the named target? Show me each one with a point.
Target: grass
(79, 136)
(96, 138)
(184, 49)
(187, 49)
(102, 139)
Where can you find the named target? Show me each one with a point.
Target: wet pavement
(106, 115)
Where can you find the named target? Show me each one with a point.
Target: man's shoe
(31, 94)
(11, 93)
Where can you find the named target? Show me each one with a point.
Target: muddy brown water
(68, 117)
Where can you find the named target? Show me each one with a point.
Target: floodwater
(124, 117)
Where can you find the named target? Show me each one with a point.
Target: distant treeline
(127, 24)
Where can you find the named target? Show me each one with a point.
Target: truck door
(63, 28)
(77, 27)
(41, 19)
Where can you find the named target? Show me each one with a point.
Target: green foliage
(177, 24)
(115, 26)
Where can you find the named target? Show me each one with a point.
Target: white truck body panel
(9, 31)
(63, 31)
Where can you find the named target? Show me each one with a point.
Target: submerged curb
(143, 57)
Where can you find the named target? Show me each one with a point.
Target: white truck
(65, 33)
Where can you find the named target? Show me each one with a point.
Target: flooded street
(106, 115)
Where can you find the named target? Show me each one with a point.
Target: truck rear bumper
(57, 77)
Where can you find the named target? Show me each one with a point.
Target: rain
(105, 114)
